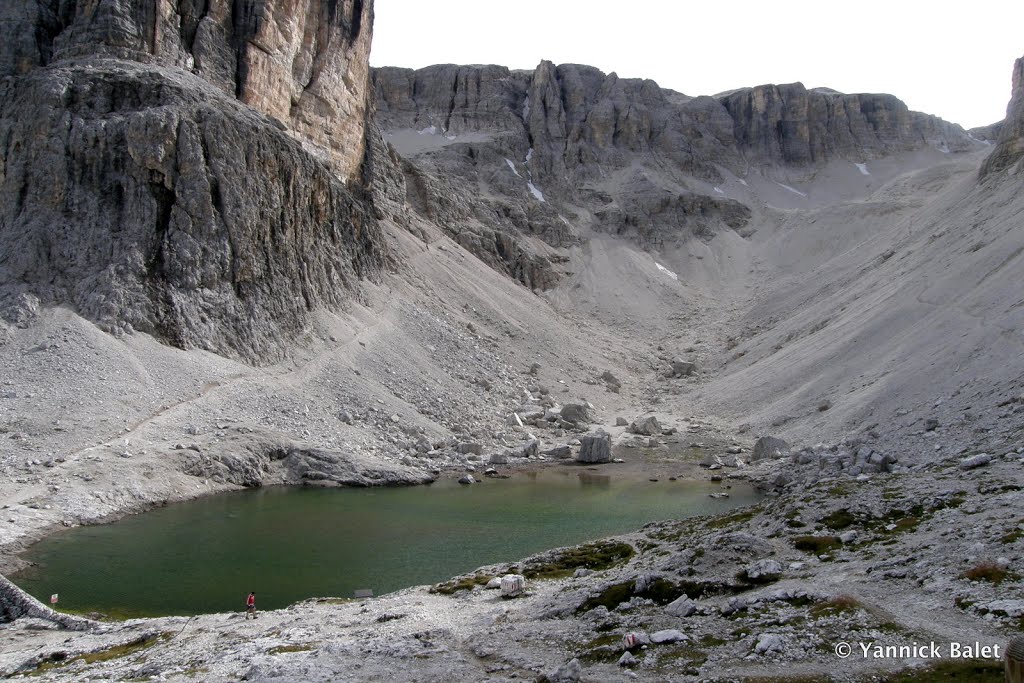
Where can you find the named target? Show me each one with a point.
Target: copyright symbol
(843, 650)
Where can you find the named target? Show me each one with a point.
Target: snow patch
(742, 182)
(526, 108)
(536, 193)
(529, 155)
(565, 220)
(450, 137)
(719, 190)
(512, 166)
(429, 130)
(666, 271)
(863, 168)
(987, 143)
(942, 148)
(791, 189)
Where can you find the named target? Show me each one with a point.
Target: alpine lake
(290, 544)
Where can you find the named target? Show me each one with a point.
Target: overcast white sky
(953, 60)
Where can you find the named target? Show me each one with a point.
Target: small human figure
(250, 605)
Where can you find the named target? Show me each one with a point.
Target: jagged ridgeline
(555, 151)
(194, 169)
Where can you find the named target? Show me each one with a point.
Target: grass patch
(840, 604)
(817, 545)
(596, 556)
(988, 571)
(465, 583)
(295, 647)
(840, 519)
(734, 518)
(603, 648)
(661, 591)
(951, 671)
(58, 660)
(1012, 537)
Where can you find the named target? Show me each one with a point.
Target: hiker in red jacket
(250, 605)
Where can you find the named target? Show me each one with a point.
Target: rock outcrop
(531, 160)
(161, 171)
(793, 125)
(303, 62)
(1010, 143)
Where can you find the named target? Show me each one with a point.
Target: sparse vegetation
(294, 647)
(838, 605)
(465, 583)
(988, 571)
(58, 660)
(952, 671)
(740, 517)
(594, 556)
(817, 545)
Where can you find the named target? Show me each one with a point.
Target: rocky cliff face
(548, 153)
(159, 171)
(303, 62)
(793, 125)
(1010, 142)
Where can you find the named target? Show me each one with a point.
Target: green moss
(838, 605)
(603, 648)
(817, 545)
(464, 583)
(952, 671)
(1013, 536)
(740, 517)
(712, 641)
(295, 647)
(596, 556)
(679, 656)
(58, 660)
(840, 519)
(661, 591)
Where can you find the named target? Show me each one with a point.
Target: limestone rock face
(303, 62)
(150, 183)
(1010, 141)
(794, 125)
(519, 164)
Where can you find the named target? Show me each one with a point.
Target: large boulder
(683, 368)
(647, 425)
(595, 448)
(769, 447)
(576, 413)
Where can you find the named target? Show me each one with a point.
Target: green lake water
(288, 544)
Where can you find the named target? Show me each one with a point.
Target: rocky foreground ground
(926, 554)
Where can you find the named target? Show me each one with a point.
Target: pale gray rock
(764, 570)
(670, 635)
(566, 673)
(576, 413)
(683, 368)
(976, 461)
(647, 425)
(681, 607)
(768, 643)
(769, 447)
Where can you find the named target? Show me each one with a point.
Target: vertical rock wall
(190, 169)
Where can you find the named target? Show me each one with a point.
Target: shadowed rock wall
(157, 174)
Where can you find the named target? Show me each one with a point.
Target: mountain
(232, 255)
(180, 169)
